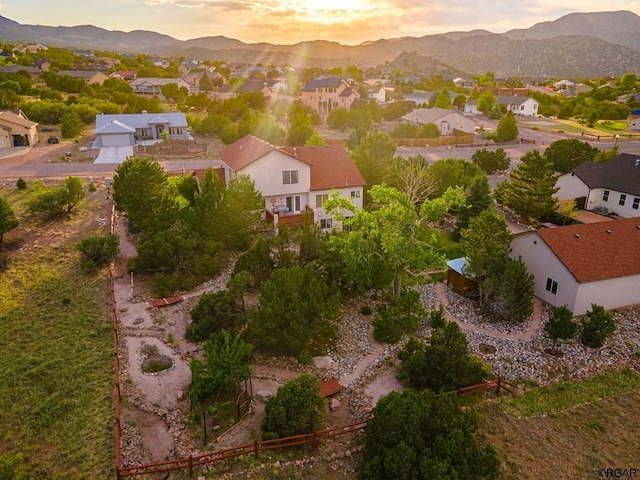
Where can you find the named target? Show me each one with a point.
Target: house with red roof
(295, 180)
(578, 265)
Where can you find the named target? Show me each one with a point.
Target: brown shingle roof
(330, 387)
(597, 251)
(331, 166)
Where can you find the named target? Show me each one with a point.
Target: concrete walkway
(531, 332)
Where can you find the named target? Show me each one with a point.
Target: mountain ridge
(574, 45)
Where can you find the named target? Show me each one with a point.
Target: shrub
(366, 310)
(21, 184)
(296, 409)
(597, 326)
(99, 250)
(92, 187)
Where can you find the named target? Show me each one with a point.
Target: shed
(457, 279)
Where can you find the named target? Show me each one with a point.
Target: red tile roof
(330, 387)
(597, 251)
(161, 302)
(331, 166)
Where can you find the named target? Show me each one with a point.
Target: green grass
(56, 372)
(565, 395)
(443, 243)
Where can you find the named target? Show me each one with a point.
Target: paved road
(89, 169)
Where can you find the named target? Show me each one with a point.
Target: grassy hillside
(56, 353)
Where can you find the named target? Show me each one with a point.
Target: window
(552, 286)
(623, 199)
(293, 203)
(289, 177)
(175, 130)
(636, 203)
(144, 132)
(320, 199)
(326, 223)
(605, 196)
(355, 193)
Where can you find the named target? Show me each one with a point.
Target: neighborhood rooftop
(597, 251)
(621, 174)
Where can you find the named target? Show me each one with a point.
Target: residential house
(377, 93)
(42, 63)
(295, 180)
(464, 82)
(127, 75)
(160, 62)
(153, 86)
(123, 130)
(611, 188)
(447, 121)
(584, 264)
(326, 93)
(524, 106)
(16, 130)
(566, 86)
(633, 120)
(89, 76)
(34, 72)
(250, 86)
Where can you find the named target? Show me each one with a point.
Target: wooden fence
(192, 461)
(435, 142)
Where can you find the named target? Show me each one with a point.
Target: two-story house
(612, 188)
(326, 93)
(295, 180)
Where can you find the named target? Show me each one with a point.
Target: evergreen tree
(491, 161)
(531, 188)
(560, 325)
(516, 290)
(597, 326)
(507, 128)
(445, 364)
(479, 198)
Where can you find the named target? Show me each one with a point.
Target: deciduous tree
(568, 153)
(507, 128)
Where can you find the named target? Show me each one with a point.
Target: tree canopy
(568, 153)
(418, 435)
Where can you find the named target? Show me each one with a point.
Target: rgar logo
(618, 473)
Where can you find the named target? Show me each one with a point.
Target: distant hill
(620, 27)
(575, 45)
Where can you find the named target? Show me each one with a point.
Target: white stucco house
(580, 265)
(295, 180)
(446, 120)
(612, 188)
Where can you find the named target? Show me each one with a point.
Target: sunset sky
(348, 22)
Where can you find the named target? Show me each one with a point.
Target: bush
(21, 184)
(92, 187)
(597, 326)
(296, 409)
(99, 250)
(214, 312)
(366, 310)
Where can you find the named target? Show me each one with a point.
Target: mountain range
(577, 45)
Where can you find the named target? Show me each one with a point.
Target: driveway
(114, 154)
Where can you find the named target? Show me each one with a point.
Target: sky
(349, 22)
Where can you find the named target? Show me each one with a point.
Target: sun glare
(330, 6)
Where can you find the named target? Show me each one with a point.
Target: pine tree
(531, 188)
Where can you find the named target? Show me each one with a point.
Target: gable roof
(114, 127)
(17, 119)
(323, 82)
(597, 251)
(428, 115)
(621, 174)
(331, 166)
(513, 100)
(157, 81)
(245, 151)
(137, 120)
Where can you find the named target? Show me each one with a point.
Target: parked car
(53, 139)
